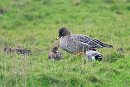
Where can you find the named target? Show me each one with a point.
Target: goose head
(63, 32)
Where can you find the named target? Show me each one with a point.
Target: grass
(34, 24)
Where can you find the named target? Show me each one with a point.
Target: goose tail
(107, 45)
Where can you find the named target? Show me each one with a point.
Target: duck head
(7, 49)
(63, 32)
(120, 50)
(55, 49)
(99, 57)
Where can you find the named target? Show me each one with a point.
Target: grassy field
(34, 25)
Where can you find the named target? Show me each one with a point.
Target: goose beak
(57, 38)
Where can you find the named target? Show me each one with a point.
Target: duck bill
(124, 51)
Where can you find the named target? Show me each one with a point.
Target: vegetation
(34, 25)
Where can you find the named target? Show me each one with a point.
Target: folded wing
(93, 43)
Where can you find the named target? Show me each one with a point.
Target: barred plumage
(78, 43)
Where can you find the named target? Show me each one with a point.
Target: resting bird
(55, 55)
(78, 43)
(93, 55)
(18, 51)
(119, 50)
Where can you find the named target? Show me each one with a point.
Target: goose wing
(94, 43)
(74, 43)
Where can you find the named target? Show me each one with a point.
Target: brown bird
(54, 54)
(18, 51)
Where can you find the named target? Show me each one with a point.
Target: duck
(93, 55)
(55, 54)
(119, 50)
(77, 43)
(18, 51)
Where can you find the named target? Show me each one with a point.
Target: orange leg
(81, 53)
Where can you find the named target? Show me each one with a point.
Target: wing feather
(94, 43)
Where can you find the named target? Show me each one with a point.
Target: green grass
(34, 25)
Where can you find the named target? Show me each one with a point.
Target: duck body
(21, 51)
(58, 56)
(51, 56)
(93, 55)
(54, 54)
(18, 51)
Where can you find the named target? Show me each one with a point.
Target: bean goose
(78, 43)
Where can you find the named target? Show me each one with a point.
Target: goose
(54, 54)
(78, 44)
(93, 55)
(17, 50)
